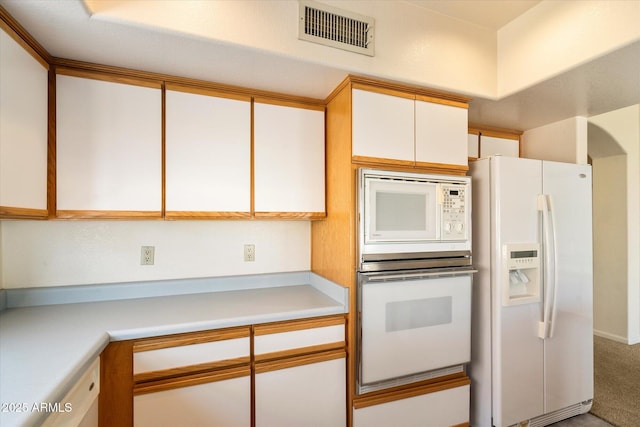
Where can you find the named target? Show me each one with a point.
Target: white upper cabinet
(441, 133)
(493, 145)
(383, 126)
(473, 144)
(208, 154)
(408, 129)
(23, 131)
(109, 148)
(288, 160)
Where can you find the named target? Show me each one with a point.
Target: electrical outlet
(146, 255)
(250, 252)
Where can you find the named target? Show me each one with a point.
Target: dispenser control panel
(520, 273)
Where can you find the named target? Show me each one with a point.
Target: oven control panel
(454, 212)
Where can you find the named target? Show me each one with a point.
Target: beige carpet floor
(616, 382)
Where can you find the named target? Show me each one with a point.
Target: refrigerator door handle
(543, 206)
(554, 247)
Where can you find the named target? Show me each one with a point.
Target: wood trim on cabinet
(52, 159)
(442, 168)
(384, 90)
(411, 390)
(410, 166)
(298, 325)
(188, 338)
(97, 75)
(300, 351)
(9, 212)
(292, 362)
(290, 215)
(18, 33)
(163, 151)
(169, 79)
(115, 401)
(195, 215)
(381, 162)
(289, 103)
(181, 371)
(436, 100)
(80, 214)
(375, 84)
(198, 90)
(191, 380)
(495, 132)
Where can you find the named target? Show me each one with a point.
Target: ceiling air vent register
(329, 26)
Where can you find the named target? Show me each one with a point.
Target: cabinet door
(208, 155)
(292, 394)
(491, 145)
(193, 379)
(288, 160)
(383, 126)
(438, 409)
(109, 150)
(79, 406)
(23, 132)
(441, 133)
(224, 403)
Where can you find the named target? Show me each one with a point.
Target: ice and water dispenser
(520, 273)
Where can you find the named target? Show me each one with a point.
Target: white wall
(610, 287)
(52, 253)
(563, 141)
(555, 36)
(623, 126)
(431, 49)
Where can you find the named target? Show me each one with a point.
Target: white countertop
(44, 349)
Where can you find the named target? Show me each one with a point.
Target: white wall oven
(414, 277)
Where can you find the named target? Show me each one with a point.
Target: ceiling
(65, 30)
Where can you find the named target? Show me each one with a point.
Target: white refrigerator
(532, 315)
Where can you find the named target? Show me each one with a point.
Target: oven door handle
(419, 275)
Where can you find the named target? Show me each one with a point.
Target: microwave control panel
(454, 212)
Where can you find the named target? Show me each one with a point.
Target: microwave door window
(402, 212)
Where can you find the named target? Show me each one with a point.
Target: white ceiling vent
(334, 27)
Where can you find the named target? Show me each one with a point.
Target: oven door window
(414, 326)
(400, 211)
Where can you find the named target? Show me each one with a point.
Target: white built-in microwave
(404, 212)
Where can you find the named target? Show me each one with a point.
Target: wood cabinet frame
(129, 76)
(407, 92)
(333, 241)
(496, 132)
(119, 384)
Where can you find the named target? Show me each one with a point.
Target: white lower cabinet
(79, 408)
(444, 408)
(224, 403)
(305, 395)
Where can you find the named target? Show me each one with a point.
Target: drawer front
(191, 354)
(443, 409)
(322, 335)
